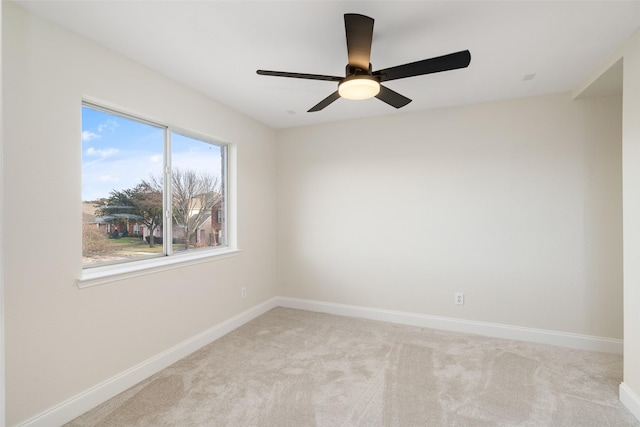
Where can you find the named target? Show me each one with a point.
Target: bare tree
(193, 194)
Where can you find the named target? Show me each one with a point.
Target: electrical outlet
(459, 298)
(244, 292)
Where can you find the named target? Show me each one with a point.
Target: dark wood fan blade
(392, 98)
(299, 75)
(359, 31)
(427, 66)
(328, 100)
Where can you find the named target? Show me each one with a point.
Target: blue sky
(117, 153)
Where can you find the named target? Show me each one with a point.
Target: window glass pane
(122, 164)
(197, 193)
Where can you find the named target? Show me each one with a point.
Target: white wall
(2, 381)
(631, 177)
(629, 55)
(517, 204)
(61, 340)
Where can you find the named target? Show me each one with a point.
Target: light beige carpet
(298, 368)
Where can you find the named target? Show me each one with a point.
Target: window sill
(111, 273)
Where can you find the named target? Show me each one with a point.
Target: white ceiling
(216, 47)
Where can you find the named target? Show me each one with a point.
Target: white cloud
(156, 158)
(88, 136)
(108, 125)
(103, 154)
(107, 178)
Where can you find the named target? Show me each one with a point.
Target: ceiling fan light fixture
(361, 82)
(359, 87)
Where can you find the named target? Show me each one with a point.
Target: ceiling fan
(360, 82)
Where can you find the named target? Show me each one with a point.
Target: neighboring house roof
(205, 219)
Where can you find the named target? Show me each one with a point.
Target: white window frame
(107, 273)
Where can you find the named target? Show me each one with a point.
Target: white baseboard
(562, 339)
(89, 399)
(630, 400)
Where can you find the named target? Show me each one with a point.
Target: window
(148, 191)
